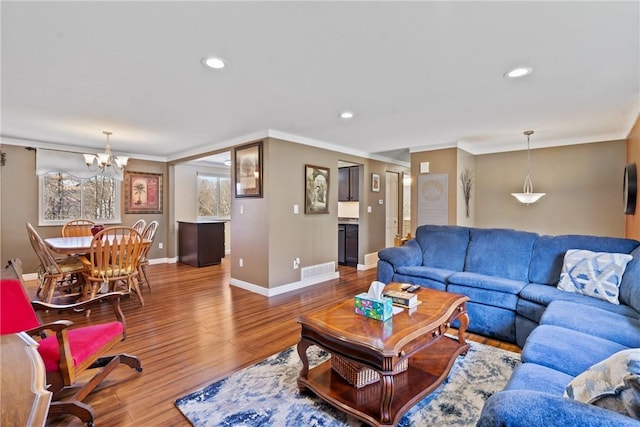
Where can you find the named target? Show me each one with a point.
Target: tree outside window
(214, 196)
(64, 197)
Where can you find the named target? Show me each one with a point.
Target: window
(64, 197)
(214, 196)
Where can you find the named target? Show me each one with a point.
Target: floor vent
(317, 270)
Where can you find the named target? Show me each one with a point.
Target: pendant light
(528, 196)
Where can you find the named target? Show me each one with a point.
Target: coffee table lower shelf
(426, 371)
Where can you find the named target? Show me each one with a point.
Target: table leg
(302, 347)
(386, 382)
(464, 323)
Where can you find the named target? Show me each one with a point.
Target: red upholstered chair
(68, 351)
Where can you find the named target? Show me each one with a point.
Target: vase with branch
(466, 183)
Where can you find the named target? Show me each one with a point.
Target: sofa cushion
(566, 350)
(486, 297)
(601, 323)
(630, 286)
(443, 246)
(483, 281)
(520, 408)
(595, 274)
(544, 294)
(613, 384)
(500, 253)
(531, 376)
(422, 281)
(548, 253)
(437, 274)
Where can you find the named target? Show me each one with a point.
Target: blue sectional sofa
(512, 280)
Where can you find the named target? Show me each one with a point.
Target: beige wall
(268, 235)
(583, 185)
(440, 162)
(633, 156)
(19, 205)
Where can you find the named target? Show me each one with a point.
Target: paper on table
(397, 309)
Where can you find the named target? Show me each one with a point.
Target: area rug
(266, 394)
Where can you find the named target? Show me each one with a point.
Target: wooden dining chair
(63, 275)
(148, 235)
(139, 225)
(67, 352)
(113, 259)
(77, 227)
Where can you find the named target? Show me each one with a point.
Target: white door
(392, 209)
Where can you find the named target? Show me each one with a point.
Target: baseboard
(278, 290)
(163, 260)
(370, 261)
(30, 276)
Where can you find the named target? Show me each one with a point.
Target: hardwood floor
(195, 329)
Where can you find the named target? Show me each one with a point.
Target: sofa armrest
(408, 254)
(513, 408)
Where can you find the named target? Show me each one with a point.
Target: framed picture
(248, 167)
(143, 192)
(375, 182)
(316, 200)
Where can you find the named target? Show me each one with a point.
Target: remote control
(410, 288)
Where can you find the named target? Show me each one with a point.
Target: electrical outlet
(296, 263)
(160, 245)
(241, 262)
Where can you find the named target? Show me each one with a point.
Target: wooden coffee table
(417, 335)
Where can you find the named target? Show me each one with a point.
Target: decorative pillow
(613, 384)
(595, 274)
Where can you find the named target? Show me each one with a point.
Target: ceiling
(417, 75)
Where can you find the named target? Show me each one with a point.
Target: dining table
(74, 245)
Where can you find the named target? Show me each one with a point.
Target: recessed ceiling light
(214, 62)
(346, 115)
(518, 72)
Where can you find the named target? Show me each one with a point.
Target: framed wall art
(248, 169)
(316, 200)
(375, 182)
(143, 192)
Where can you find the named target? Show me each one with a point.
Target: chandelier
(528, 196)
(106, 159)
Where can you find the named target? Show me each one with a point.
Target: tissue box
(379, 309)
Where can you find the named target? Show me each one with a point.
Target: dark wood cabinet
(348, 244)
(200, 243)
(341, 244)
(349, 184)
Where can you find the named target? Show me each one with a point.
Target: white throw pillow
(612, 383)
(595, 274)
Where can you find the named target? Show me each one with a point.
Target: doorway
(392, 189)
